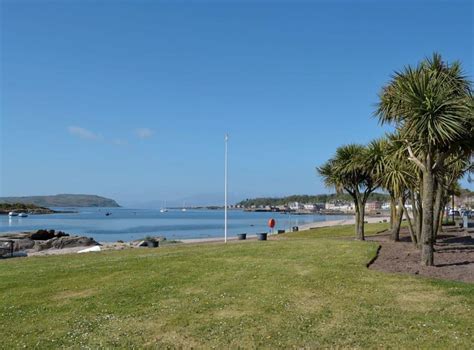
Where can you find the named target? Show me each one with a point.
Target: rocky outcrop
(65, 242)
(23, 244)
(47, 239)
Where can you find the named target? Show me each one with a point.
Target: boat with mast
(163, 208)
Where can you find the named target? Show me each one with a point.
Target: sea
(131, 224)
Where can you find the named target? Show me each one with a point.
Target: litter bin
(262, 236)
(241, 236)
(294, 229)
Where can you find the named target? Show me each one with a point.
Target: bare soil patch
(454, 256)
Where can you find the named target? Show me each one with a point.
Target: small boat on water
(108, 214)
(163, 208)
(22, 215)
(12, 213)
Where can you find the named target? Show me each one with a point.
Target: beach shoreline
(105, 246)
(304, 227)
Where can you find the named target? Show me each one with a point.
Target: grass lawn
(303, 291)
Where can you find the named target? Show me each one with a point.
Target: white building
(296, 206)
(340, 206)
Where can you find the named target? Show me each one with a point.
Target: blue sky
(132, 99)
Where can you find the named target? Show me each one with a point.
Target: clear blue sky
(132, 99)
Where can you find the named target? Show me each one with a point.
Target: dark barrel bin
(262, 236)
(294, 229)
(241, 236)
(152, 244)
(281, 231)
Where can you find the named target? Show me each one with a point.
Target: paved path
(304, 227)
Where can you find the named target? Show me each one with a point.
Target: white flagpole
(225, 190)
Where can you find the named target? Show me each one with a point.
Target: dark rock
(61, 234)
(42, 235)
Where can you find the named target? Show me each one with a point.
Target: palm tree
(395, 175)
(431, 106)
(351, 170)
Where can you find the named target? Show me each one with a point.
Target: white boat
(163, 209)
(23, 215)
(183, 208)
(12, 213)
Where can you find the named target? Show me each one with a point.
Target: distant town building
(320, 206)
(340, 206)
(375, 205)
(296, 206)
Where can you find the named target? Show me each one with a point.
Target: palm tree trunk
(452, 206)
(410, 227)
(395, 235)
(360, 228)
(357, 221)
(427, 258)
(443, 213)
(416, 216)
(440, 221)
(437, 208)
(392, 210)
(419, 221)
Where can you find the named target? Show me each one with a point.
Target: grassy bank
(336, 231)
(303, 291)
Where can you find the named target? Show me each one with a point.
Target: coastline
(304, 227)
(130, 245)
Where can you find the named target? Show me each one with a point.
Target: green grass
(295, 292)
(337, 231)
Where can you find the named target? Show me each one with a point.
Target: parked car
(454, 212)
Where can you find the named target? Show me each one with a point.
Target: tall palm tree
(431, 106)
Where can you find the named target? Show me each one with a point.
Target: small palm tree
(397, 176)
(350, 171)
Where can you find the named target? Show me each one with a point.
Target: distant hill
(63, 200)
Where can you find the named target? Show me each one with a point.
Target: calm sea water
(129, 224)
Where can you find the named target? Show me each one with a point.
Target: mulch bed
(454, 256)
